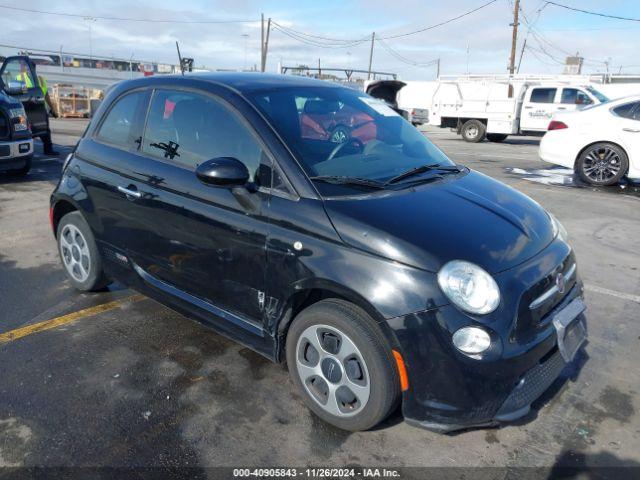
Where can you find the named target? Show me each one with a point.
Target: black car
(378, 269)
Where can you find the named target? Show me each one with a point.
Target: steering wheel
(350, 141)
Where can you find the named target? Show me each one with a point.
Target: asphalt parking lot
(118, 380)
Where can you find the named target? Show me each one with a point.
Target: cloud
(485, 35)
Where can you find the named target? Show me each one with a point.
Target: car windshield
(600, 96)
(349, 138)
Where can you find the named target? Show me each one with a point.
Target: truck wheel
(602, 164)
(473, 131)
(496, 137)
(79, 253)
(21, 172)
(342, 365)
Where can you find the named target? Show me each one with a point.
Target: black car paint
(212, 252)
(8, 133)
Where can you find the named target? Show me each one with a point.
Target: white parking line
(613, 293)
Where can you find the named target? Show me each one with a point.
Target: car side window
(628, 110)
(17, 74)
(543, 95)
(573, 96)
(119, 126)
(186, 129)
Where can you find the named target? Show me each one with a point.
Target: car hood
(469, 217)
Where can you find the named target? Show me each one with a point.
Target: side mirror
(16, 88)
(223, 172)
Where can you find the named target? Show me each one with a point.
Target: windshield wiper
(344, 180)
(422, 169)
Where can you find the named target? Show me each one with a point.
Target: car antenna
(180, 59)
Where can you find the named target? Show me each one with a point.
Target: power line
(122, 19)
(402, 58)
(388, 37)
(597, 14)
(314, 43)
(319, 37)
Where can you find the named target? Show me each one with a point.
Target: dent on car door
(207, 242)
(21, 82)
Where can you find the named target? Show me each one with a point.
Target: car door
(572, 99)
(538, 108)
(105, 156)
(198, 241)
(20, 81)
(627, 126)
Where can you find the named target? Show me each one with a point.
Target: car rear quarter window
(628, 110)
(543, 95)
(187, 129)
(119, 127)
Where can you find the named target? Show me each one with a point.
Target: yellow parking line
(65, 319)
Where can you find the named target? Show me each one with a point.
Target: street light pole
(90, 20)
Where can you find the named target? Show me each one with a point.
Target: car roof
(244, 82)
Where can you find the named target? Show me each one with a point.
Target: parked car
(20, 87)
(601, 143)
(378, 269)
(16, 145)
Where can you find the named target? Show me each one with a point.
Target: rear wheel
(79, 253)
(602, 164)
(473, 131)
(340, 363)
(496, 137)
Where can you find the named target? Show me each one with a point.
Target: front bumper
(450, 391)
(11, 151)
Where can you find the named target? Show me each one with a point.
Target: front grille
(533, 384)
(4, 127)
(530, 320)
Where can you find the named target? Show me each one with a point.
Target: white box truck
(482, 107)
(487, 109)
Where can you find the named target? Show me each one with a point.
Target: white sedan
(601, 143)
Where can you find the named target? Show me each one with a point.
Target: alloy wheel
(75, 253)
(333, 370)
(601, 164)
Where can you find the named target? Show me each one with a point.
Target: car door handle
(631, 130)
(562, 108)
(129, 192)
(528, 108)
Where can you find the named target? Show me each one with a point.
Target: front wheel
(342, 366)
(473, 131)
(79, 253)
(602, 164)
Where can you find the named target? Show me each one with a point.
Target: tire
(473, 131)
(370, 368)
(602, 164)
(23, 171)
(496, 137)
(79, 254)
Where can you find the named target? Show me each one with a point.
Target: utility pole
(524, 45)
(514, 41)
(262, 42)
(438, 69)
(319, 71)
(265, 47)
(373, 39)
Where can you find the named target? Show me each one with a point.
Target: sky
(479, 43)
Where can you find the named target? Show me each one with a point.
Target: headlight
(21, 116)
(471, 340)
(558, 230)
(469, 287)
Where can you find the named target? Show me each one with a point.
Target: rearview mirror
(223, 172)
